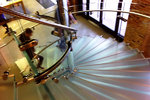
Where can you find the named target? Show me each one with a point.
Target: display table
(8, 4)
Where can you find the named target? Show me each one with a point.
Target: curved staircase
(103, 70)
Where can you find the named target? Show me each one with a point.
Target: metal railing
(33, 19)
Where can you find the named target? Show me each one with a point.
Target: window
(123, 25)
(109, 18)
(95, 5)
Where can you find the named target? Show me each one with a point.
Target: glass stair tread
(114, 49)
(57, 90)
(62, 90)
(130, 90)
(105, 44)
(102, 53)
(118, 74)
(96, 91)
(141, 64)
(81, 42)
(93, 44)
(122, 56)
(124, 46)
(90, 45)
(79, 92)
(129, 76)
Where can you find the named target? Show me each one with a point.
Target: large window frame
(116, 31)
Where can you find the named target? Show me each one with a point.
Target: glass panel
(9, 51)
(50, 49)
(109, 18)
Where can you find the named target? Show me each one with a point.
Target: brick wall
(138, 28)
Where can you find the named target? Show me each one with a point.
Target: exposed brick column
(138, 28)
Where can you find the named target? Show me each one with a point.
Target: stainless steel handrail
(135, 13)
(33, 19)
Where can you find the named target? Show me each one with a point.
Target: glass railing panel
(48, 47)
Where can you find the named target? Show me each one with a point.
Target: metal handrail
(33, 19)
(135, 13)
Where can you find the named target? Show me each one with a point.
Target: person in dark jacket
(25, 37)
(2, 20)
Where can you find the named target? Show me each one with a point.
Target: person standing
(24, 38)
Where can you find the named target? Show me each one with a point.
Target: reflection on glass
(84, 6)
(122, 25)
(109, 18)
(94, 5)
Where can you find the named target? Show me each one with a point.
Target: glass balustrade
(62, 59)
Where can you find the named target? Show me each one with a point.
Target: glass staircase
(89, 68)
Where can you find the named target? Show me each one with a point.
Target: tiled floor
(88, 28)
